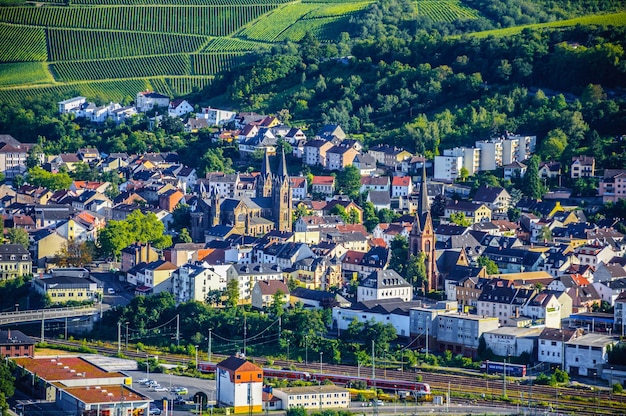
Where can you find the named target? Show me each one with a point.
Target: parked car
(143, 380)
(154, 411)
(161, 388)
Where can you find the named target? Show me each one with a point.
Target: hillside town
(413, 244)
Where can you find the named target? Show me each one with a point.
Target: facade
(216, 117)
(613, 185)
(447, 168)
(239, 385)
(193, 282)
(321, 397)
(71, 105)
(62, 289)
(475, 212)
(551, 345)
(470, 155)
(582, 167)
(619, 313)
(512, 341)
(13, 156)
(136, 254)
(15, 261)
(384, 284)
(460, 333)
(324, 185)
(263, 293)
(147, 100)
(585, 355)
(15, 343)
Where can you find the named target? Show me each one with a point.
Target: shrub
(618, 388)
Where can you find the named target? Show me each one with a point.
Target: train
(513, 370)
(416, 388)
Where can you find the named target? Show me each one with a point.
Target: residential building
(365, 163)
(401, 186)
(447, 168)
(15, 261)
(514, 170)
(14, 343)
(248, 274)
(193, 282)
(265, 292)
(384, 284)
(137, 253)
(299, 187)
(375, 183)
(490, 154)
(550, 170)
(179, 108)
(13, 156)
(495, 198)
(216, 117)
(154, 277)
(515, 260)
(475, 212)
(503, 300)
(582, 167)
(461, 332)
(71, 105)
(613, 185)
(394, 311)
(356, 264)
(315, 152)
(239, 385)
(147, 100)
(340, 156)
(470, 155)
(324, 185)
(322, 397)
(619, 313)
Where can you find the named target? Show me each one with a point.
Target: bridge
(45, 314)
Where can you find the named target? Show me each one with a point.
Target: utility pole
(427, 325)
(65, 338)
(373, 362)
(306, 349)
(244, 334)
(119, 337)
(126, 336)
(178, 330)
(504, 380)
(43, 321)
(209, 351)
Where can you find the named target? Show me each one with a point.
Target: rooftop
(65, 368)
(104, 394)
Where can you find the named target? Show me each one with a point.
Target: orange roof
(323, 180)
(378, 242)
(401, 181)
(87, 217)
(112, 393)
(352, 228)
(579, 279)
(297, 182)
(58, 369)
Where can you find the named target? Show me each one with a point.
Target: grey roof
(387, 306)
(379, 197)
(13, 336)
(384, 279)
(488, 194)
(8, 249)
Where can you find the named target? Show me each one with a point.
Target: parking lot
(193, 386)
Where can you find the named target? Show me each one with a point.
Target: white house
(384, 284)
(193, 282)
(551, 345)
(401, 186)
(147, 100)
(386, 311)
(179, 108)
(448, 168)
(239, 385)
(512, 341)
(313, 397)
(216, 117)
(71, 105)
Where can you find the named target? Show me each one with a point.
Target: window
(238, 376)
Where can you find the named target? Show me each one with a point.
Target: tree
(7, 385)
(545, 234)
(35, 155)
(553, 145)
(370, 219)
(277, 308)
(490, 265)
(349, 181)
(37, 176)
(74, 254)
(416, 270)
(463, 174)
(514, 214)
(459, 218)
(18, 236)
(438, 208)
(531, 185)
(399, 252)
(232, 293)
(184, 236)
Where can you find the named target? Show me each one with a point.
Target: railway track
(462, 387)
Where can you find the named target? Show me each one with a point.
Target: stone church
(271, 209)
(422, 236)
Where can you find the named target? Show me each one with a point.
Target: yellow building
(62, 289)
(15, 261)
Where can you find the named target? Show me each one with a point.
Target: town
(479, 252)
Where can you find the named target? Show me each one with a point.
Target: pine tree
(532, 183)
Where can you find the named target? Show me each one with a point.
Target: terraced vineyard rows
(186, 85)
(324, 28)
(201, 20)
(24, 73)
(168, 2)
(445, 10)
(272, 25)
(225, 44)
(342, 9)
(70, 45)
(22, 43)
(212, 63)
(139, 67)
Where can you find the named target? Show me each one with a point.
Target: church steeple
(264, 180)
(265, 167)
(282, 167)
(423, 206)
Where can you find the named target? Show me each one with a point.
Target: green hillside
(178, 46)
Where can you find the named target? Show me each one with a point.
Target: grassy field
(612, 19)
(24, 73)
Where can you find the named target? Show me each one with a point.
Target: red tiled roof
(115, 393)
(323, 180)
(401, 181)
(378, 242)
(297, 182)
(52, 369)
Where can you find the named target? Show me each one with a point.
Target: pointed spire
(423, 206)
(265, 168)
(282, 167)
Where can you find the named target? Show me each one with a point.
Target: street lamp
(321, 363)
(147, 366)
(197, 357)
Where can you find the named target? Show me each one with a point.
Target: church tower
(264, 181)
(282, 203)
(422, 236)
(216, 201)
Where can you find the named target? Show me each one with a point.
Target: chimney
(8, 334)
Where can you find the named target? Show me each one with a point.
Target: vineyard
(113, 49)
(445, 10)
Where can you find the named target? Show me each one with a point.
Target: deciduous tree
(18, 236)
(74, 254)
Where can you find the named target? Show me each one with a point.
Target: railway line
(474, 389)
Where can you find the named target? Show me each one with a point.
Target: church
(422, 236)
(271, 208)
